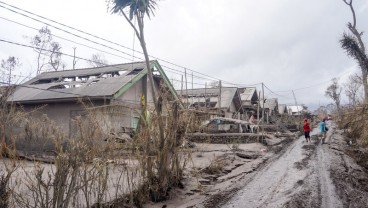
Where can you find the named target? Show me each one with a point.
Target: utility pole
(74, 61)
(205, 96)
(297, 108)
(186, 87)
(220, 97)
(192, 88)
(181, 87)
(259, 103)
(263, 101)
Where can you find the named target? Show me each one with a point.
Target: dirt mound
(350, 175)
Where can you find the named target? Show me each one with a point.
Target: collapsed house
(114, 93)
(271, 109)
(282, 109)
(249, 99)
(217, 102)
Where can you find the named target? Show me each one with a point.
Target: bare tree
(354, 46)
(7, 68)
(352, 88)
(48, 51)
(98, 60)
(214, 84)
(334, 92)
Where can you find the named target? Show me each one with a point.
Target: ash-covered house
(296, 110)
(270, 108)
(249, 100)
(283, 109)
(218, 102)
(114, 92)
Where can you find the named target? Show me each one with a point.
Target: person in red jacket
(307, 130)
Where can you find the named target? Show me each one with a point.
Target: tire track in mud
(274, 183)
(299, 178)
(329, 195)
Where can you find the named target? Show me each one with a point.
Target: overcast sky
(286, 44)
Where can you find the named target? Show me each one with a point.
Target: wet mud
(309, 175)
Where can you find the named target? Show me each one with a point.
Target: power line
(97, 48)
(209, 77)
(174, 70)
(81, 44)
(65, 54)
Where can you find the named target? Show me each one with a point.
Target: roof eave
(57, 100)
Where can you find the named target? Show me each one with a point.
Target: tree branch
(131, 24)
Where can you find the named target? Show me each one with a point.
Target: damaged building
(114, 92)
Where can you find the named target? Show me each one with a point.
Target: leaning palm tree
(138, 9)
(354, 46)
(350, 44)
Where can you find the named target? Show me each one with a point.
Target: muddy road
(300, 177)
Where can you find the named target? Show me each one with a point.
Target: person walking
(307, 130)
(323, 130)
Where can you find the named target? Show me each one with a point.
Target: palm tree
(138, 9)
(354, 46)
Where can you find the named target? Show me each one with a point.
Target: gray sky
(286, 44)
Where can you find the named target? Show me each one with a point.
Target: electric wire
(208, 77)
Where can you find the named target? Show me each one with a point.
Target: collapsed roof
(94, 83)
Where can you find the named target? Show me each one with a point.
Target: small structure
(114, 92)
(272, 105)
(220, 101)
(296, 110)
(282, 109)
(249, 100)
(225, 125)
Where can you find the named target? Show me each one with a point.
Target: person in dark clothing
(307, 130)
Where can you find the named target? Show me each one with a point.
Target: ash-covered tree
(353, 44)
(48, 51)
(160, 177)
(97, 60)
(138, 9)
(7, 69)
(352, 87)
(334, 92)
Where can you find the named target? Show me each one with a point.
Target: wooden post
(186, 87)
(74, 61)
(258, 106)
(181, 88)
(297, 108)
(219, 99)
(263, 101)
(205, 96)
(192, 88)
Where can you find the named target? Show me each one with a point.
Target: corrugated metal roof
(87, 71)
(295, 108)
(271, 103)
(246, 94)
(227, 95)
(96, 87)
